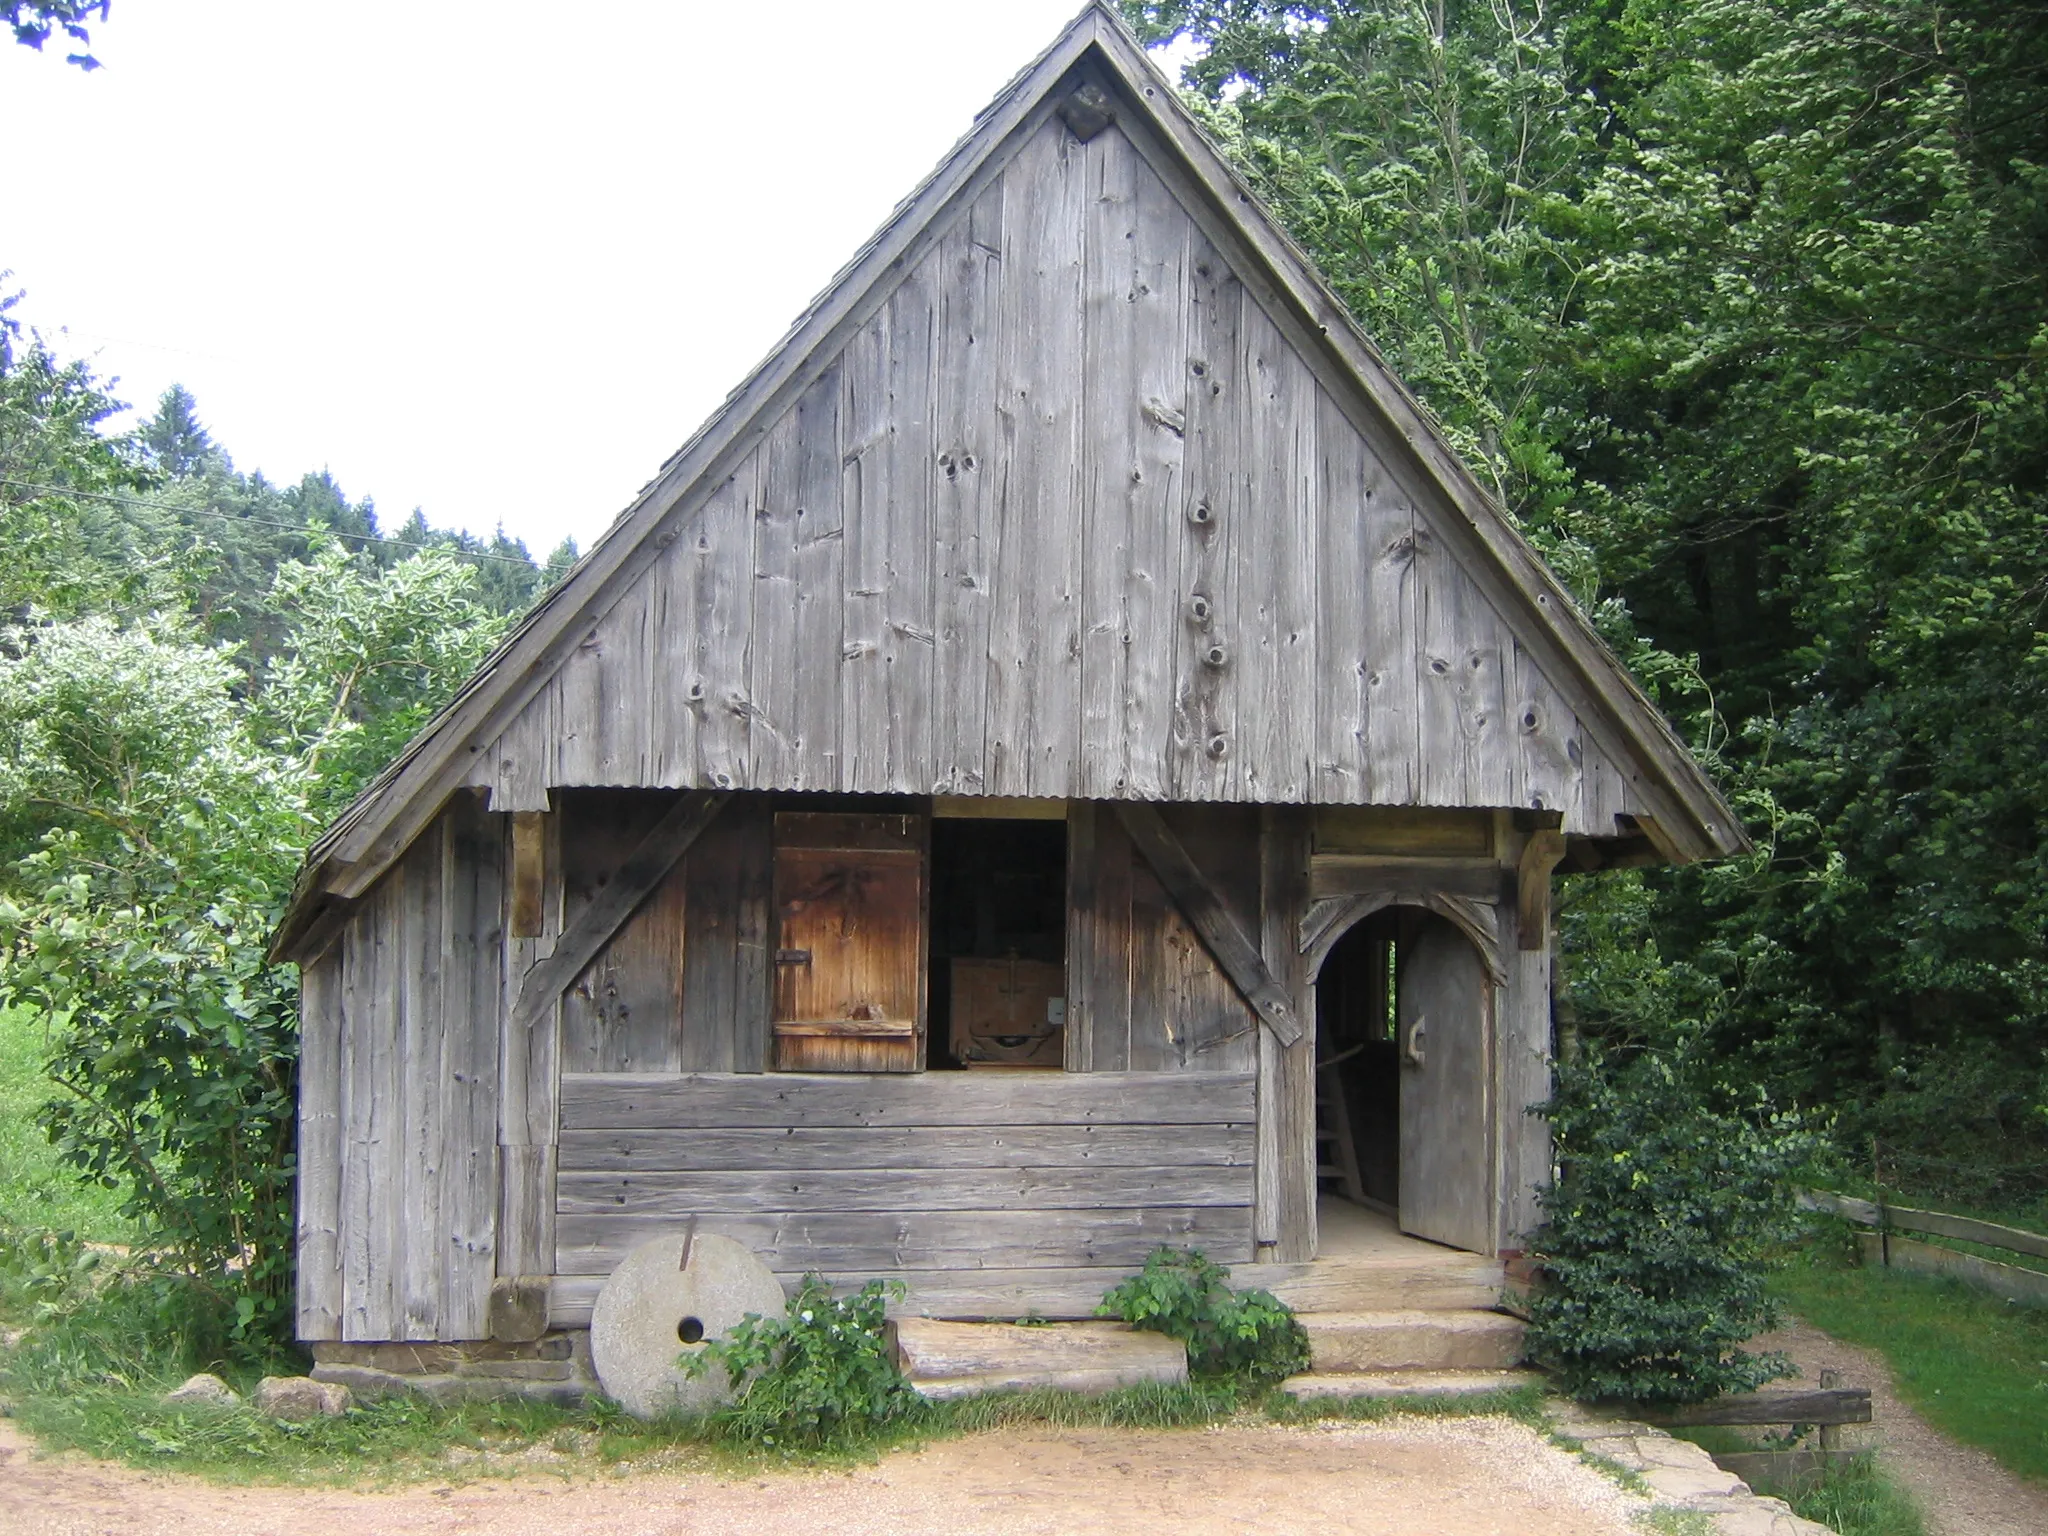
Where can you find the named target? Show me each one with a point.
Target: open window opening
(997, 984)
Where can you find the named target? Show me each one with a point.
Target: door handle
(1411, 1049)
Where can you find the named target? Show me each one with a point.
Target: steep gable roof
(1093, 76)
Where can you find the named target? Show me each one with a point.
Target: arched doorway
(1404, 1101)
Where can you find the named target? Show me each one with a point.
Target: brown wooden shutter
(849, 942)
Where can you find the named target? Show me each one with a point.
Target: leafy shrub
(819, 1375)
(1182, 1294)
(1659, 1230)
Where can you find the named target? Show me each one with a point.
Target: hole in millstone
(690, 1330)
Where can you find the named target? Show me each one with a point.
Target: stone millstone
(653, 1303)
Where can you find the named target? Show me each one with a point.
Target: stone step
(1451, 1282)
(1408, 1383)
(1412, 1340)
(957, 1359)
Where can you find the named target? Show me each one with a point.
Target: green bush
(820, 1375)
(1180, 1293)
(1669, 1204)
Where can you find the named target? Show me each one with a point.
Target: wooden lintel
(529, 868)
(1540, 855)
(1355, 874)
(1206, 913)
(644, 868)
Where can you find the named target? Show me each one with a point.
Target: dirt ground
(1415, 1477)
(1962, 1491)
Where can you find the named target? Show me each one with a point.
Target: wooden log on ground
(1837, 1405)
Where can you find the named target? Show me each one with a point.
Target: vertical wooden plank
(1204, 725)
(1284, 1201)
(867, 430)
(361, 1024)
(422, 1041)
(622, 748)
(579, 712)
(1548, 748)
(711, 879)
(1273, 670)
(1135, 383)
(1393, 647)
(966, 360)
(1342, 565)
(1034, 634)
(1153, 1034)
(1107, 381)
(753, 969)
(1463, 703)
(472, 881)
(320, 1147)
(909, 618)
(798, 543)
(671, 665)
(721, 561)
(1109, 984)
(1078, 1042)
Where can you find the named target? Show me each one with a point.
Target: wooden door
(849, 942)
(1444, 1014)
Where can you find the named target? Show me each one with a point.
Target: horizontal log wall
(1070, 515)
(399, 1098)
(947, 1171)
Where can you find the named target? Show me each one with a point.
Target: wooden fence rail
(1882, 1247)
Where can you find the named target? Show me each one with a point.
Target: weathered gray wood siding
(913, 1176)
(683, 986)
(398, 1110)
(1070, 515)
(1144, 995)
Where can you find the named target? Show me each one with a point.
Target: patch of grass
(1975, 1367)
(1524, 1404)
(1857, 1499)
(35, 1188)
(1666, 1520)
(92, 1380)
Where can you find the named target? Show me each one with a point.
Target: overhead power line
(265, 522)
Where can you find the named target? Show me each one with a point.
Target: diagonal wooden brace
(1203, 907)
(645, 868)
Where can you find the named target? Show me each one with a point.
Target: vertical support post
(1078, 1044)
(529, 1058)
(1284, 1201)
(1523, 1053)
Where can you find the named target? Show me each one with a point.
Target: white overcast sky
(496, 261)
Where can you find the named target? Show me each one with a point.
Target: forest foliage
(1739, 305)
(197, 669)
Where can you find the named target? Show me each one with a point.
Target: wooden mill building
(1067, 760)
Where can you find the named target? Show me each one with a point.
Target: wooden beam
(529, 867)
(1540, 855)
(645, 868)
(1839, 1405)
(1203, 907)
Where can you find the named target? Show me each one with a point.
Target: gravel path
(1414, 1477)
(1962, 1490)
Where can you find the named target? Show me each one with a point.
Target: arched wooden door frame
(1325, 923)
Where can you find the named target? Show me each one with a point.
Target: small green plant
(1180, 1293)
(1659, 1232)
(820, 1375)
